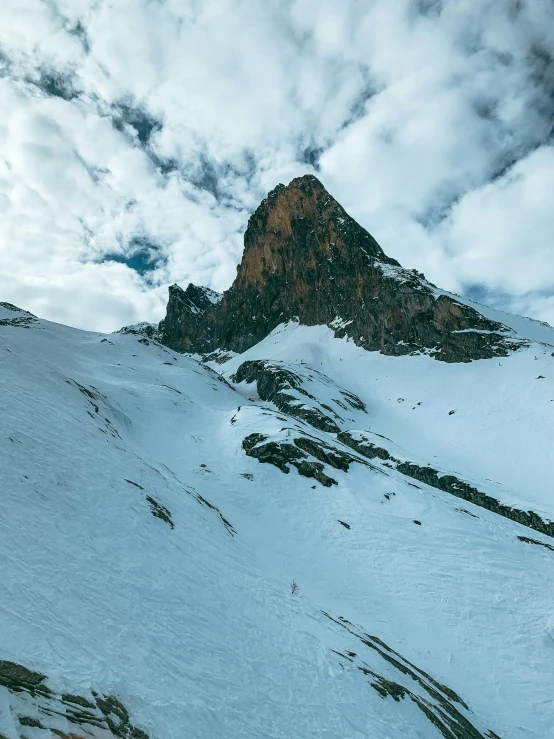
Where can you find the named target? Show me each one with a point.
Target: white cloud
(505, 229)
(164, 123)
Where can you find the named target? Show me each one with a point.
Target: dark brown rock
(441, 705)
(276, 384)
(447, 483)
(19, 679)
(306, 259)
(281, 454)
(527, 540)
(106, 716)
(184, 317)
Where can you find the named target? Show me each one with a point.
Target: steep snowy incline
(99, 594)
(145, 556)
(490, 421)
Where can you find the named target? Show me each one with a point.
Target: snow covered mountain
(282, 534)
(306, 259)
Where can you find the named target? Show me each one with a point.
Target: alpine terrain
(319, 505)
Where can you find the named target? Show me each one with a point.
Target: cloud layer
(137, 136)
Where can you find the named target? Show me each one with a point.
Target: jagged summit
(196, 298)
(305, 539)
(301, 216)
(185, 309)
(306, 259)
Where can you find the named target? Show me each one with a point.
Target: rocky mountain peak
(301, 221)
(306, 259)
(183, 319)
(195, 299)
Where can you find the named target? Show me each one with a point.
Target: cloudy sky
(137, 136)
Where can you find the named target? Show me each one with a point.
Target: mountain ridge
(306, 259)
(150, 553)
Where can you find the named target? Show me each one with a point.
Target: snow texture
(144, 555)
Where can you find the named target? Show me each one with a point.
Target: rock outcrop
(439, 704)
(30, 708)
(185, 316)
(306, 259)
(286, 389)
(144, 329)
(360, 443)
(301, 451)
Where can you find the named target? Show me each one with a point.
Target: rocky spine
(306, 259)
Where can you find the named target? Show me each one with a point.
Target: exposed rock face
(441, 706)
(300, 453)
(31, 708)
(448, 483)
(11, 315)
(527, 540)
(184, 318)
(282, 387)
(306, 259)
(144, 329)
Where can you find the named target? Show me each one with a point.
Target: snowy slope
(500, 434)
(144, 555)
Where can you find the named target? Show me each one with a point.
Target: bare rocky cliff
(306, 259)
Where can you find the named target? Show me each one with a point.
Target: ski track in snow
(196, 629)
